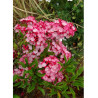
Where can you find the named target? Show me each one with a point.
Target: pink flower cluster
(26, 48)
(38, 35)
(44, 29)
(51, 70)
(19, 71)
(59, 48)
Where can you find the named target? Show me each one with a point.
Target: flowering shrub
(44, 57)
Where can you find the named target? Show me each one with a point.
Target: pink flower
(52, 68)
(28, 19)
(19, 27)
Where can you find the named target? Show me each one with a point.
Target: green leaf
(78, 83)
(46, 83)
(73, 17)
(53, 92)
(25, 84)
(40, 68)
(39, 74)
(65, 59)
(40, 80)
(80, 70)
(59, 95)
(46, 49)
(69, 62)
(45, 52)
(61, 69)
(60, 63)
(50, 53)
(60, 83)
(26, 60)
(17, 84)
(21, 85)
(30, 72)
(67, 78)
(66, 96)
(70, 69)
(60, 87)
(20, 43)
(15, 77)
(64, 93)
(42, 90)
(21, 34)
(15, 46)
(16, 96)
(23, 65)
(73, 78)
(36, 63)
(31, 87)
(34, 78)
(32, 64)
(72, 91)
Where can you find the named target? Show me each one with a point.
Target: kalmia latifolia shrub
(44, 58)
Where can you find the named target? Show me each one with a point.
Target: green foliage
(33, 74)
(31, 87)
(78, 82)
(42, 90)
(72, 79)
(73, 68)
(45, 53)
(53, 92)
(15, 46)
(16, 96)
(15, 77)
(73, 12)
(23, 65)
(72, 92)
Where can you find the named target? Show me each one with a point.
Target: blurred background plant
(71, 11)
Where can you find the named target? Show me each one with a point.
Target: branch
(31, 13)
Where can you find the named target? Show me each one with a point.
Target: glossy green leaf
(36, 63)
(65, 59)
(42, 90)
(22, 64)
(53, 92)
(72, 92)
(39, 74)
(80, 70)
(60, 63)
(31, 87)
(15, 46)
(78, 83)
(17, 84)
(15, 77)
(26, 60)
